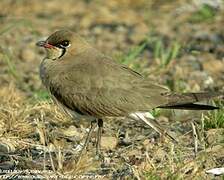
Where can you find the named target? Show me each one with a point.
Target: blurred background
(178, 43)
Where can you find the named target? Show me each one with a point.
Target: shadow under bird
(85, 82)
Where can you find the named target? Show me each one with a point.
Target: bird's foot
(85, 146)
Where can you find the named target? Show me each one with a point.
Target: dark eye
(64, 43)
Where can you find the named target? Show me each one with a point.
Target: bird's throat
(55, 53)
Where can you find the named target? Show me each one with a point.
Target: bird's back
(95, 84)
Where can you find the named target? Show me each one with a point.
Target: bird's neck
(79, 45)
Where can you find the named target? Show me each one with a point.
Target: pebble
(214, 136)
(27, 54)
(7, 147)
(108, 142)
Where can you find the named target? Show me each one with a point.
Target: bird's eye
(64, 43)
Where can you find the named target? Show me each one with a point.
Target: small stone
(163, 119)
(147, 144)
(27, 54)
(8, 165)
(217, 151)
(108, 142)
(72, 131)
(160, 154)
(214, 136)
(213, 66)
(7, 147)
(140, 137)
(134, 152)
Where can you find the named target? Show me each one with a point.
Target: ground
(179, 44)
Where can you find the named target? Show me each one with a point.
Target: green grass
(215, 119)
(14, 23)
(205, 13)
(151, 176)
(41, 95)
(156, 112)
(131, 58)
(11, 66)
(165, 55)
(161, 53)
(133, 53)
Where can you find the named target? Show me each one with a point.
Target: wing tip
(190, 106)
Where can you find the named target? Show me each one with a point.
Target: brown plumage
(89, 83)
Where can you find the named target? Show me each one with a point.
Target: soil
(179, 44)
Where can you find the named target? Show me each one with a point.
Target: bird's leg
(99, 133)
(92, 126)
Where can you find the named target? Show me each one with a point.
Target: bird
(87, 83)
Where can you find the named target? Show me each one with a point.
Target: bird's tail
(188, 101)
(190, 106)
(151, 121)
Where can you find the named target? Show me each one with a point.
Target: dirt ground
(177, 43)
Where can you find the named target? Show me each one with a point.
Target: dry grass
(179, 44)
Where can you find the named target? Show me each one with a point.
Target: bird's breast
(44, 76)
(49, 71)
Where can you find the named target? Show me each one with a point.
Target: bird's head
(61, 43)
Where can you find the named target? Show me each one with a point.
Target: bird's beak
(44, 44)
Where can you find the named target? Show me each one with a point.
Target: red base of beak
(44, 44)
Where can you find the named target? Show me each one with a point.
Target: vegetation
(176, 43)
